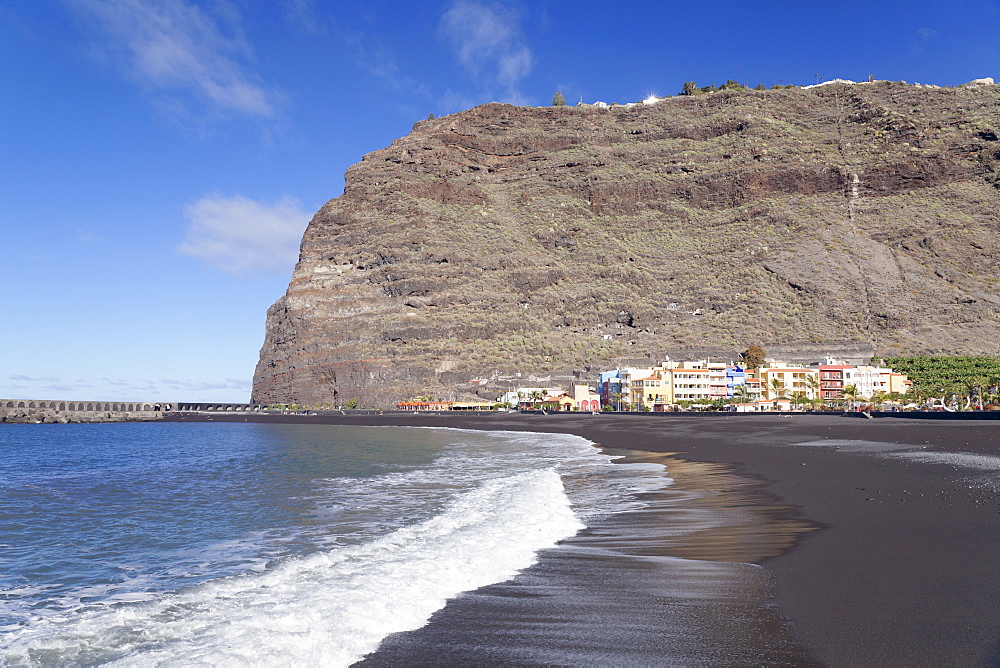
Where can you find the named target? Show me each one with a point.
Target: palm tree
(799, 398)
(536, 396)
(778, 386)
(974, 390)
(878, 399)
(915, 395)
(993, 388)
(946, 391)
(741, 394)
(850, 393)
(812, 382)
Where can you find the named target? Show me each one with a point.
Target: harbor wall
(33, 411)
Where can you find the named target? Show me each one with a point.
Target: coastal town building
(674, 384)
(561, 402)
(831, 379)
(471, 405)
(776, 385)
(527, 398)
(423, 405)
(615, 387)
(585, 398)
(868, 381)
(689, 381)
(898, 382)
(735, 377)
(650, 392)
(780, 381)
(609, 384)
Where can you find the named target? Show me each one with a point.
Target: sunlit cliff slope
(505, 240)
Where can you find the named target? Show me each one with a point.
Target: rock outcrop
(508, 240)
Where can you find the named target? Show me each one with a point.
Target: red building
(831, 380)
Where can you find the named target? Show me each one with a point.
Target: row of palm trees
(799, 398)
(974, 392)
(534, 396)
(849, 395)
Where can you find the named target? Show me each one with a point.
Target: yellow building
(898, 382)
(789, 380)
(649, 392)
(668, 385)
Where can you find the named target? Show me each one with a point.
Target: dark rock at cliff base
(510, 240)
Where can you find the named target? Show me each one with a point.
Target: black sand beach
(841, 541)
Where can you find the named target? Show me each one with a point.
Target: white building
(524, 394)
(868, 380)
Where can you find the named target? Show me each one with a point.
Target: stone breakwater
(24, 411)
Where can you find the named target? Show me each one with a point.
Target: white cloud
(241, 235)
(487, 39)
(173, 46)
(61, 387)
(174, 385)
(301, 14)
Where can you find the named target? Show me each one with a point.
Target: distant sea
(279, 544)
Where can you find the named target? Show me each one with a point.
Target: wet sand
(836, 540)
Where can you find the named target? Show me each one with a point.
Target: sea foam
(329, 608)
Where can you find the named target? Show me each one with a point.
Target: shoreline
(902, 568)
(669, 583)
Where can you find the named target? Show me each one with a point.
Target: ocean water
(184, 544)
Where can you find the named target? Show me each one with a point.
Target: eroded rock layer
(509, 240)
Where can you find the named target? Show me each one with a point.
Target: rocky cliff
(510, 240)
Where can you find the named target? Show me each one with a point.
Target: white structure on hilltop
(827, 83)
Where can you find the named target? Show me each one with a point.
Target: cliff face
(506, 240)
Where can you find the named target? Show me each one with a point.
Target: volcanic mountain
(503, 244)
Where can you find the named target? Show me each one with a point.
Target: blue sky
(159, 159)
